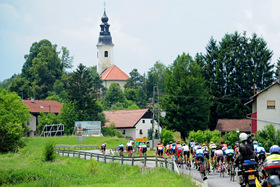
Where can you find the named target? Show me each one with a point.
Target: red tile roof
(45, 106)
(124, 118)
(113, 73)
(227, 125)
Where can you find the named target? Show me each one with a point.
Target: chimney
(32, 100)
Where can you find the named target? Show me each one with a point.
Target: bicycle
(201, 168)
(221, 169)
(232, 171)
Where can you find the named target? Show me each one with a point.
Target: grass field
(27, 168)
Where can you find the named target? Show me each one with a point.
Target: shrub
(49, 152)
(92, 167)
(111, 131)
(166, 136)
(268, 136)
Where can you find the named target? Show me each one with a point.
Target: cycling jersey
(192, 144)
(260, 150)
(120, 147)
(103, 146)
(186, 148)
(129, 146)
(229, 152)
(144, 148)
(199, 154)
(218, 153)
(255, 146)
(159, 147)
(172, 149)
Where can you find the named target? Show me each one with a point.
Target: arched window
(106, 54)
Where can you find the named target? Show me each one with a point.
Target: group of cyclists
(246, 154)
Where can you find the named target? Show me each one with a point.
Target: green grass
(27, 168)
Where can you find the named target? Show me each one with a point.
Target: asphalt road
(214, 179)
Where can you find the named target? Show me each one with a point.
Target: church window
(106, 54)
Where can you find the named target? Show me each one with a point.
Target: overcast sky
(143, 31)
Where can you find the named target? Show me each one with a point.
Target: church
(106, 68)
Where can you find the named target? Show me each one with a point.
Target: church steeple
(105, 35)
(104, 46)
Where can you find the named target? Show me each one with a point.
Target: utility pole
(153, 124)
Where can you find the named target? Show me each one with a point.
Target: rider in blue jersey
(199, 157)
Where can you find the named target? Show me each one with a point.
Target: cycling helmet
(170, 142)
(275, 149)
(229, 147)
(255, 142)
(203, 144)
(173, 144)
(211, 142)
(222, 142)
(196, 143)
(260, 144)
(243, 136)
(178, 142)
(183, 144)
(192, 140)
(198, 147)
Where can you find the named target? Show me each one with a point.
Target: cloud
(7, 12)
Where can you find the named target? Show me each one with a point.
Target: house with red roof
(132, 123)
(37, 106)
(114, 74)
(240, 125)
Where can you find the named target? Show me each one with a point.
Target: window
(143, 121)
(123, 132)
(270, 104)
(141, 132)
(106, 54)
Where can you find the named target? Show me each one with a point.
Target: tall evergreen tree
(80, 90)
(186, 101)
(278, 70)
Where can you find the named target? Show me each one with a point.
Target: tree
(272, 133)
(80, 90)
(114, 95)
(111, 131)
(13, 115)
(186, 103)
(135, 81)
(156, 76)
(99, 89)
(5, 83)
(47, 119)
(278, 70)
(166, 136)
(231, 69)
(21, 86)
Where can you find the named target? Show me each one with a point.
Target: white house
(265, 107)
(132, 123)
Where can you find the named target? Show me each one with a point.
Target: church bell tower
(104, 46)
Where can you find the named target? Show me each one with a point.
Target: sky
(143, 31)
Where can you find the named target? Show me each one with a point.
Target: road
(214, 179)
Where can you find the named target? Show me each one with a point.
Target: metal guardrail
(82, 154)
(76, 146)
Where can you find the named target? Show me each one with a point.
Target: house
(265, 107)
(113, 74)
(37, 106)
(132, 123)
(227, 125)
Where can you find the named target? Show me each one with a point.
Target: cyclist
(194, 149)
(167, 151)
(120, 149)
(219, 156)
(199, 157)
(261, 153)
(212, 147)
(129, 149)
(186, 152)
(172, 149)
(140, 149)
(223, 146)
(206, 155)
(159, 150)
(191, 145)
(271, 165)
(169, 148)
(178, 151)
(144, 149)
(255, 143)
(229, 156)
(236, 148)
(103, 148)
